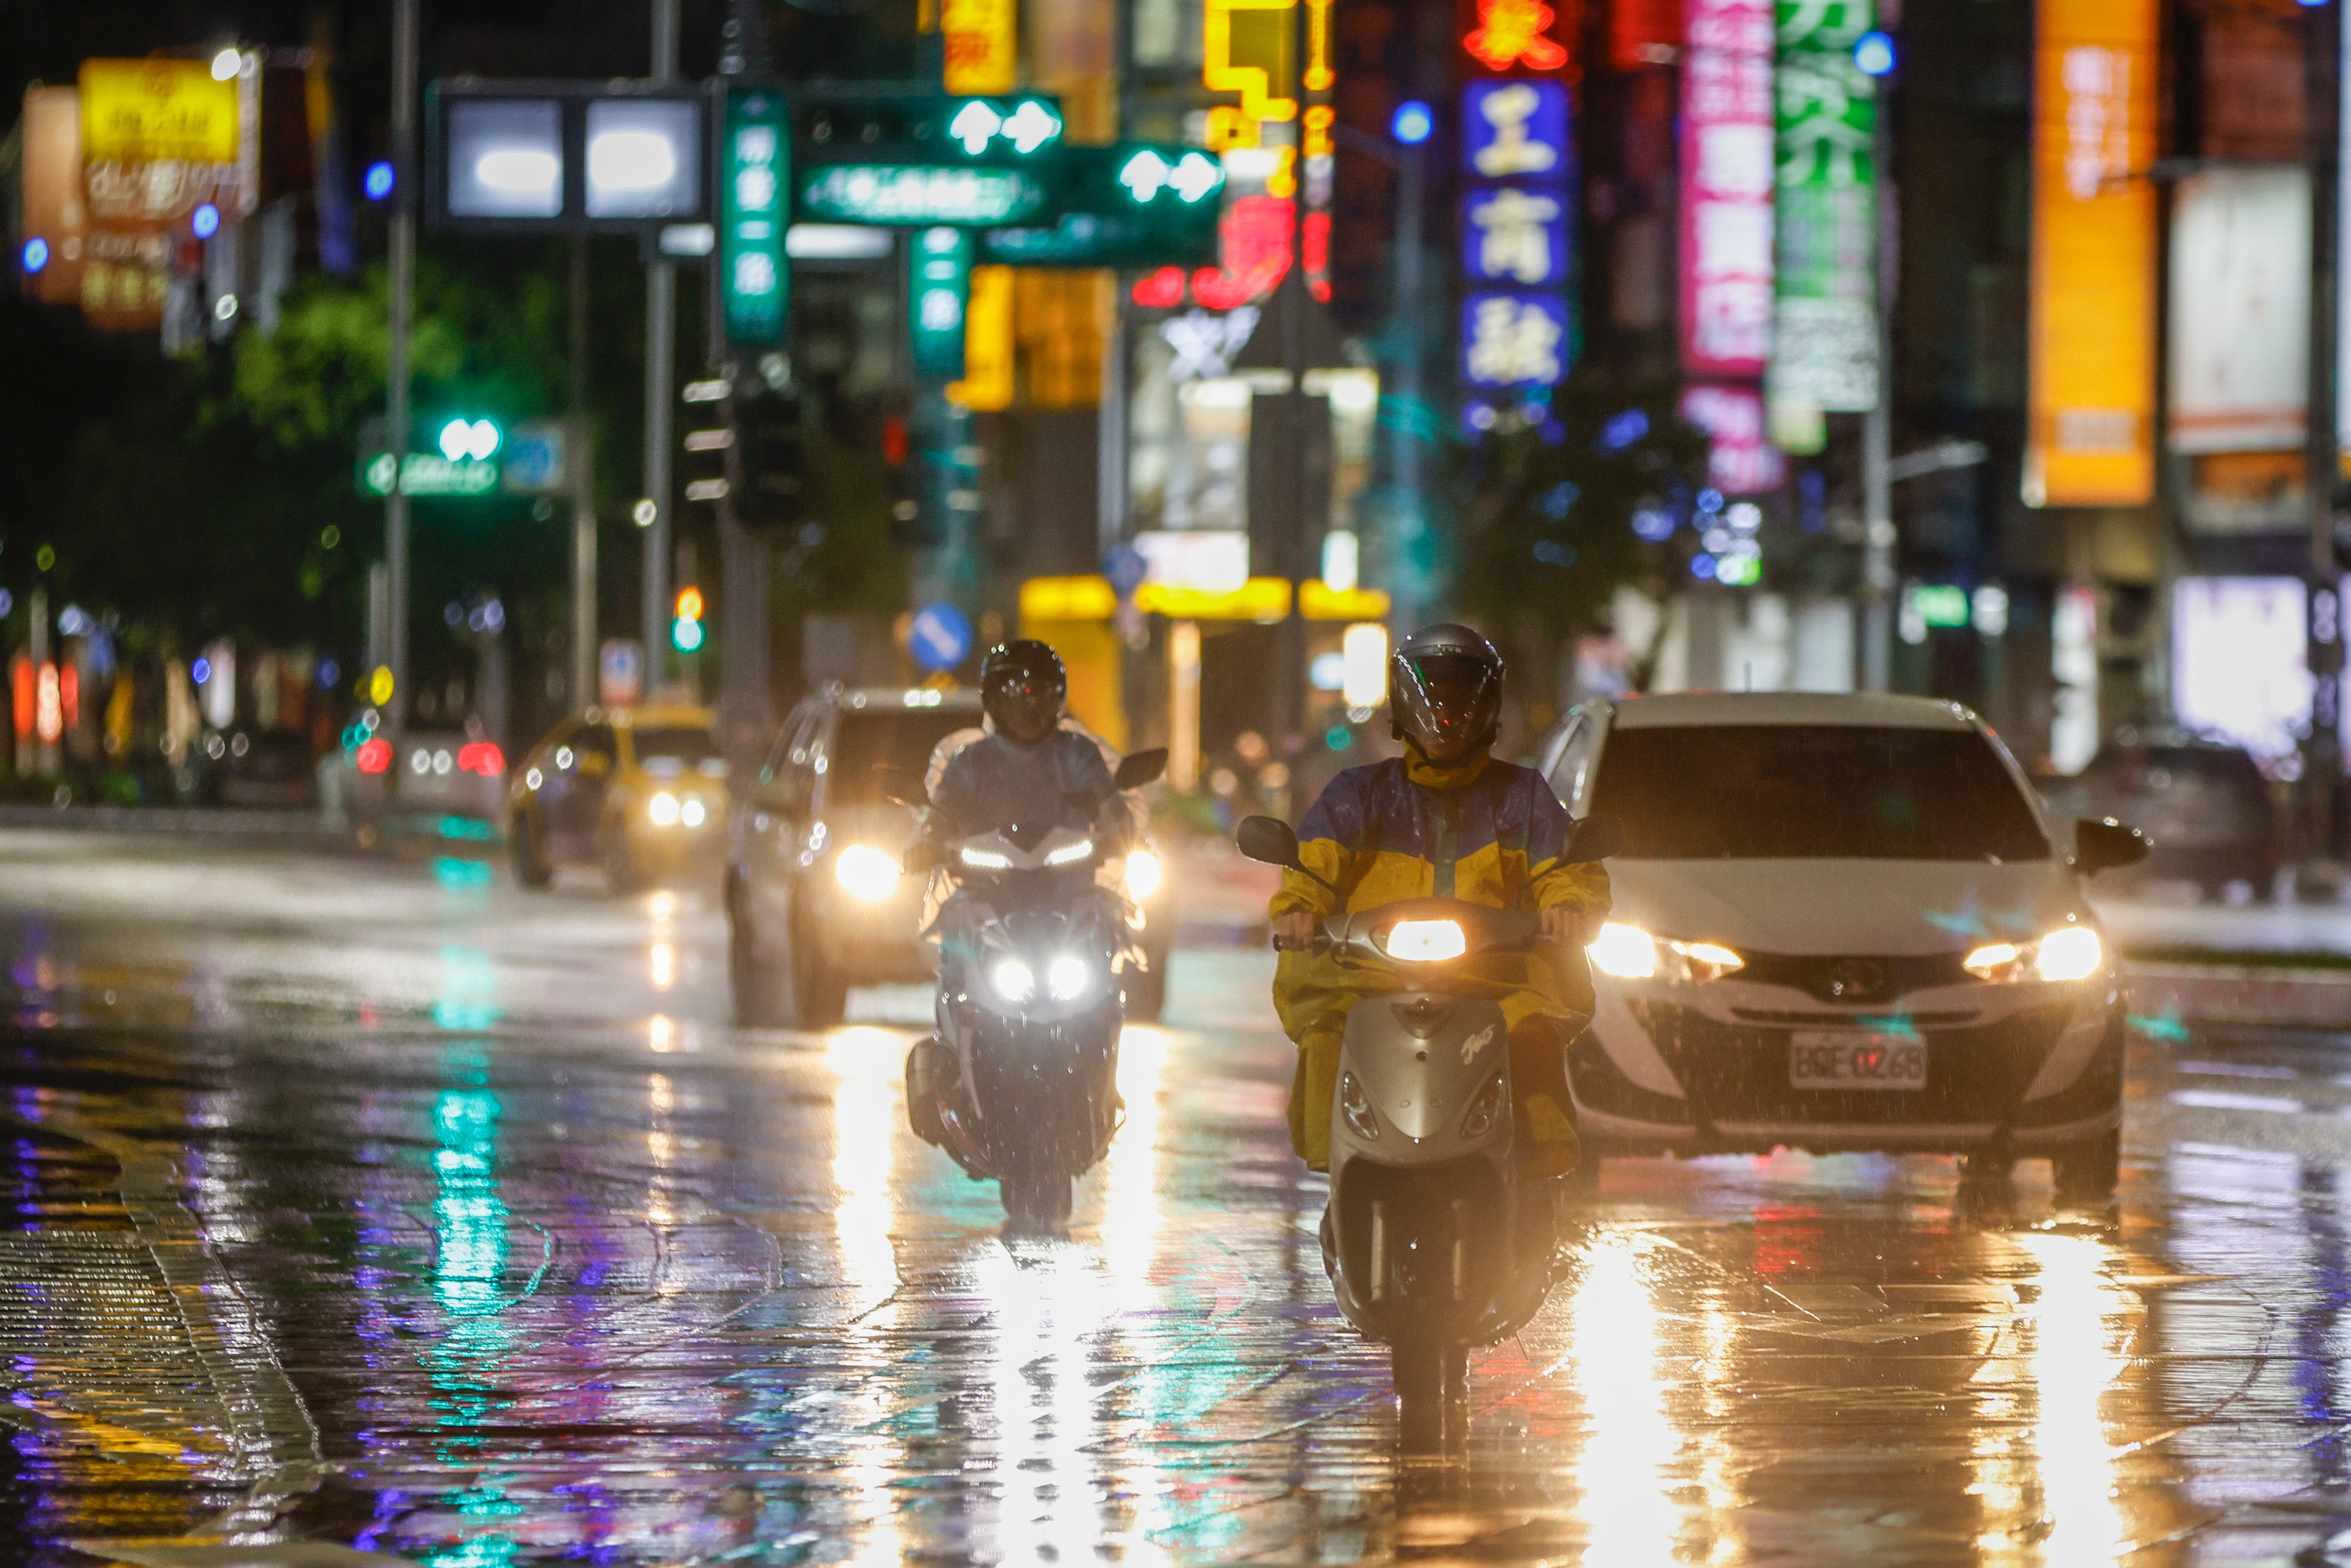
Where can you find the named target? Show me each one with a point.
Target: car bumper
(1705, 1068)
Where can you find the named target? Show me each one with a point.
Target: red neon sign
(1512, 33)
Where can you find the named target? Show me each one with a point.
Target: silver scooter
(1431, 1243)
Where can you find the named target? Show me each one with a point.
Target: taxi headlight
(662, 808)
(1144, 876)
(1426, 941)
(2068, 952)
(867, 874)
(691, 813)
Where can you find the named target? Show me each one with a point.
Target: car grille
(1739, 1071)
(1856, 979)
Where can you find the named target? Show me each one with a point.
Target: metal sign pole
(405, 173)
(661, 354)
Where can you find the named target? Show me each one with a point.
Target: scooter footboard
(1431, 1245)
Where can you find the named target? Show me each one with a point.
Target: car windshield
(673, 750)
(1814, 792)
(875, 754)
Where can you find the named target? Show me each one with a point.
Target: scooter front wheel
(1432, 1386)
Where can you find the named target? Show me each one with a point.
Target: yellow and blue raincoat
(1481, 830)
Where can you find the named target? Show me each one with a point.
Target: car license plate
(1855, 1058)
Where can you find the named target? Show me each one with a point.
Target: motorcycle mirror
(902, 786)
(1595, 838)
(1269, 839)
(2102, 844)
(1140, 767)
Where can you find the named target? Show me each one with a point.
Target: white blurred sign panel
(2236, 668)
(2241, 310)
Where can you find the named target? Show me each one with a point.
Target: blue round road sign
(940, 638)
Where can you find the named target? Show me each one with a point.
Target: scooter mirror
(1140, 767)
(1270, 840)
(1595, 838)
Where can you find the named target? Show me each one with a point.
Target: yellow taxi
(639, 793)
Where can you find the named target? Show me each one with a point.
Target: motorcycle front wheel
(1036, 1203)
(1432, 1386)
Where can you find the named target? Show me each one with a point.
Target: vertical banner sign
(982, 56)
(2240, 349)
(987, 385)
(159, 139)
(940, 281)
(56, 213)
(754, 273)
(1728, 171)
(2089, 440)
(1825, 328)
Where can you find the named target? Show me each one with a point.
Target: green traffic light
(685, 635)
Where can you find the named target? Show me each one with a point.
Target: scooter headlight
(1426, 941)
(662, 808)
(867, 874)
(1067, 977)
(1013, 980)
(1144, 876)
(1356, 1107)
(2068, 952)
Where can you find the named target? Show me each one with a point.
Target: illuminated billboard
(2237, 660)
(2239, 348)
(1727, 178)
(2089, 440)
(1825, 316)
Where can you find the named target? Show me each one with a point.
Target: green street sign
(924, 129)
(754, 276)
(940, 283)
(1133, 205)
(426, 473)
(904, 196)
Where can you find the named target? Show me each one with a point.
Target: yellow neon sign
(1247, 49)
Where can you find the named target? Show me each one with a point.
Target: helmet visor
(1025, 707)
(1447, 703)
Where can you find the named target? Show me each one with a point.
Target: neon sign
(1513, 33)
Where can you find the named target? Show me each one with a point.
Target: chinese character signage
(1727, 172)
(159, 137)
(939, 280)
(1740, 459)
(2089, 440)
(1824, 329)
(1518, 237)
(1515, 35)
(978, 39)
(754, 276)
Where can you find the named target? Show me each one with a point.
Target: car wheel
(621, 868)
(532, 868)
(761, 996)
(2086, 1172)
(819, 997)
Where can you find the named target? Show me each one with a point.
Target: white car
(1841, 922)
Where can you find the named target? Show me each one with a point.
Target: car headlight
(985, 860)
(867, 874)
(1013, 980)
(1144, 876)
(1629, 953)
(691, 813)
(1070, 854)
(662, 808)
(1066, 977)
(2068, 952)
(1426, 941)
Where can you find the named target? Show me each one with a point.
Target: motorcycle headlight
(1629, 953)
(1013, 980)
(1426, 941)
(985, 860)
(867, 874)
(2068, 952)
(1144, 876)
(1066, 977)
(662, 808)
(1071, 854)
(1356, 1107)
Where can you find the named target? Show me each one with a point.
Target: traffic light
(685, 633)
(461, 438)
(710, 442)
(770, 460)
(910, 527)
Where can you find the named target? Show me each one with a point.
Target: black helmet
(1444, 692)
(1023, 685)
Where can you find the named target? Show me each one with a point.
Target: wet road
(386, 1206)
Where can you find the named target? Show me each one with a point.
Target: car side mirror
(1140, 767)
(2101, 843)
(1595, 838)
(1269, 839)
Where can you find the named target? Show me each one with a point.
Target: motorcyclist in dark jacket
(1030, 771)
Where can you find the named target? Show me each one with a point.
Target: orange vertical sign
(2090, 441)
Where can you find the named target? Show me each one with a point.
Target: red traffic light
(894, 441)
(374, 754)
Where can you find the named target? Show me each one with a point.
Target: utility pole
(1406, 523)
(1289, 677)
(405, 173)
(580, 455)
(1877, 426)
(2322, 877)
(661, 355)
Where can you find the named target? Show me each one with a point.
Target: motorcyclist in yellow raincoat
(1445, 819)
